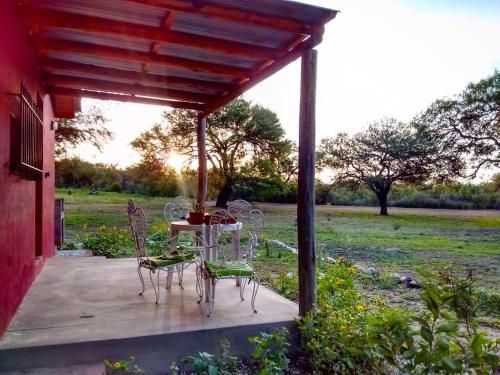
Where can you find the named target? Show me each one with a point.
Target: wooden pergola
(192, 54)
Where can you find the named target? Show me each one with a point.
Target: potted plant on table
(197, 214)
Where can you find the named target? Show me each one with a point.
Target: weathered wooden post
(202, 160)
(305, 203)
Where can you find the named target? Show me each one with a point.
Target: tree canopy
(87, 126)
(470, 122)
(237, 134)
(389, 151)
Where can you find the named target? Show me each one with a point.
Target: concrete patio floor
(78, 300)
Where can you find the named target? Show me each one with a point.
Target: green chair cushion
(169, 259)
(188, 248)
(228, 269)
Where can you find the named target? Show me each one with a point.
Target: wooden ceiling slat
(123, 98)
(235, 15)
(43, 17)
(102, 85)
(49, 44)
(143, 78)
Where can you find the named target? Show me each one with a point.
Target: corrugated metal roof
(185, 73)
(117, 10)
(302, 13)
(160, 84)
(231, 42)
(97, 61)
(99, 39)
(201, 54)
(235, 31)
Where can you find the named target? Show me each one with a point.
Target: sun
(176, 161)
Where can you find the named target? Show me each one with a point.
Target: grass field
(408, 241)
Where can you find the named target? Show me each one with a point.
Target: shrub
(348, 334)
(122, 367)
(335, 337)
(107, 241)
(268, 357)
(269, 353)
(287, 285)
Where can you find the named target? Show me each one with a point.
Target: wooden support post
(305, 204)
(202, 160)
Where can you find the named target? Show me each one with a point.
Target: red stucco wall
(18, 265)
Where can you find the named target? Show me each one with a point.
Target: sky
(383, 58)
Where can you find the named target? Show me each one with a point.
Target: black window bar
(30, 138)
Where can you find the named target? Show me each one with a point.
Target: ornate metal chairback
(176, 209)
(182, 205)
(222, 237)
(240, 209)
(138, 227)
(255, 227)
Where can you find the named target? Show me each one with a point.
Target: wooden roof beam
(208, 9)
(50, 65)
(49, 44)
(260, 75)
(122, 98)
(115, 87)
(44, 17)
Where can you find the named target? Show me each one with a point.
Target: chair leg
(142, 280)
(199, 283)
(242, 288)
(170, 274)
(157, 292)
(180, 275)
(256, 284)
(212, 297)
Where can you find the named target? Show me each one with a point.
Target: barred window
(27, 138)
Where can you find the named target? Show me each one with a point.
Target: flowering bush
(349, 334)
(107, 241)
(335, 337)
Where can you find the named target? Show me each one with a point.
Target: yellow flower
(117, 365)
(341, 259)
(360, 307)
(352, 270)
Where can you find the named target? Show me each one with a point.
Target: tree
(470, 122)
(235, 134)
(388, 152)
(87, 126)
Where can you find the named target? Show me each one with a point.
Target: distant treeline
(451, 196)
(140, 179)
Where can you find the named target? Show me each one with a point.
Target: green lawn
(411, 241)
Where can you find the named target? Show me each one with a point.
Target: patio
(197, 55)
(80, 308)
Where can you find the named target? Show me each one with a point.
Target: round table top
(184, 225)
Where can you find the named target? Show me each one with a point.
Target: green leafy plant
(221, 364)
(107, 241)
(122, 367)
(286, 284)
(269, 353)
(465, 298)
(335, 337)
(430, 343)
(68, 245)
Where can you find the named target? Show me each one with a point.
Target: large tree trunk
(382, 199)
(224, 195)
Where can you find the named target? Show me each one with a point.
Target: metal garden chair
(239, 209)
(176, 210)
(229, 264)
(175, 261)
